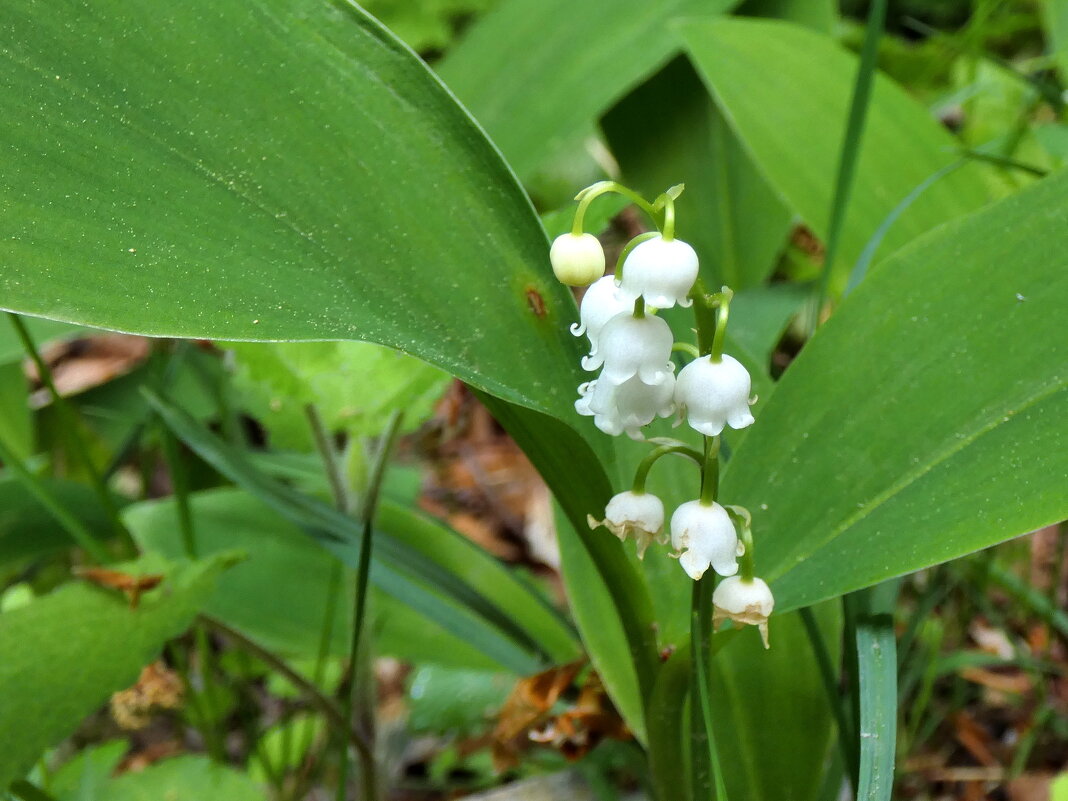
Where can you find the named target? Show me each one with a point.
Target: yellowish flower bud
(577, 259)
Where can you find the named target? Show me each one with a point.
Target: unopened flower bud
(633, 346)
(600, 304)
(747, 602)
(661, 271)
(577, 259)
(637, 514)
(705, 536)
(714, 394)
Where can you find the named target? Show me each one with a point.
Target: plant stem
(363, 570)
(329, 710)
(646, 464)
(329, 457)
(722, 311)
(710, 473)
(180, 486)
(70, 419)
(701, 730)
(628, 248)
(119, 457)
(591, 193)
(704, 312)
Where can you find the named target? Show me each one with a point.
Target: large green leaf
(189, 777)
(278, 594)
(774, 729)
(404, 572)
(925, 420)
(267, 170)
(821, 15)
(577, 58)
(63, 655)
(786, 91)
(355, 387)
(608, 594)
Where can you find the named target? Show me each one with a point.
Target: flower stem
(646, 464)
(721, 323)
(744, 521)
(639, 307)
(594, 191)
(704, 312)
(686, 347)
(628, 248)
(701, 731)
(710, 473)
(669, 218)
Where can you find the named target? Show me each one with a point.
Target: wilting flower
(661, 271)
(616, 408)
(633, 346)
(746, 602)
(714, 394)
(705, 536)
(577, 259)
(600, 304)
(637, 514)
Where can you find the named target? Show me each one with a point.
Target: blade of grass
(846, 736)
(863, 262)
(70, 419)
(399, 570)
(79, 533)
(877, 692)
(1038, 603)
(847, 162)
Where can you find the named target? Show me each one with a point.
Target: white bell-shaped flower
(714, 394)
(636, 514)
(747, 602)
(705, 536)
(661, 271)
(633, 346)
(600, 304)
(577, 259)
(616, 408)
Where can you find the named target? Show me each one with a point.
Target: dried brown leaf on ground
(527, 716)
(158, 687)
(527, 706)
(483, 485)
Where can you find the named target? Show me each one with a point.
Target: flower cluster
(630, 348)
